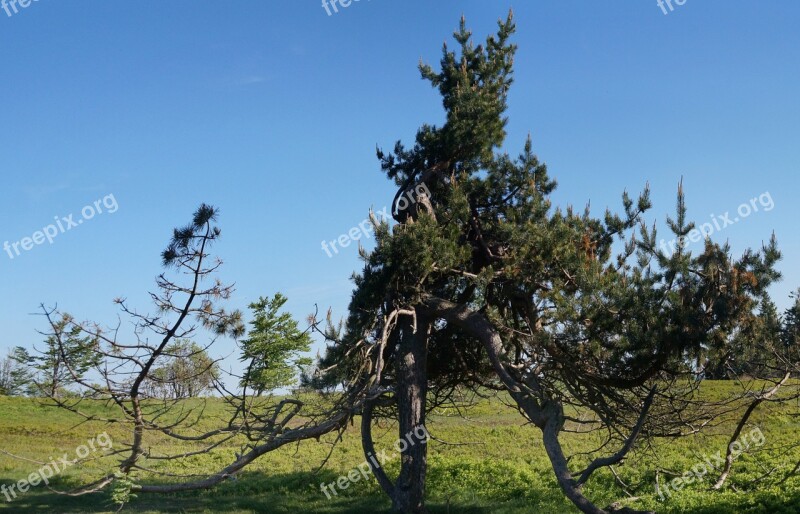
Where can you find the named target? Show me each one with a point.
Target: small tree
(273, 347)
(68, 354)
(790, 333)
(754, 351)
(187, 371)
(15, 378)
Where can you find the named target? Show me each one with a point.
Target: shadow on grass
(252, 492)
(744, 503)
(291, 493)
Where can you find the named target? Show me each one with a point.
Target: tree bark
(370, 454)
(409, 491)
(571, 489)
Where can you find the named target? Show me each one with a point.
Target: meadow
(482, 460)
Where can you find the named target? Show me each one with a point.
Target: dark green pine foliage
(590, 311)
(608, 308)
(790, 329)
(446, 160)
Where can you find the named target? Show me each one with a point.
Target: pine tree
(790, 331)
(67, 356)
(273, 347)
(483, 283)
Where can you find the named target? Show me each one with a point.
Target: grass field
(497, 466)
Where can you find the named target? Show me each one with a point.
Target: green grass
(498, 466)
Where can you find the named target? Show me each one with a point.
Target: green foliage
(15, 378)
(589, 301)
(185, 370)
(790, 332)
(762, 348)
(68, 355)
(274, 346)
(120, 493)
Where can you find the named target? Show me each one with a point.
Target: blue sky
(272, 112)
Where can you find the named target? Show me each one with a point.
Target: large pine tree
(483, 283)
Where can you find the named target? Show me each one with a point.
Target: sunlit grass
(495, 464)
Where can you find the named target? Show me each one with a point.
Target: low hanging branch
(626, 448)
(544, 413)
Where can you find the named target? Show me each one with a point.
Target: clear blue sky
(272, 111)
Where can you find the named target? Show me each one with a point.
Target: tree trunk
(409, 492)
(370, 454)
(559, 462)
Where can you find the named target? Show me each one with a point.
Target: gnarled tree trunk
(412, 389)
(408, 492)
